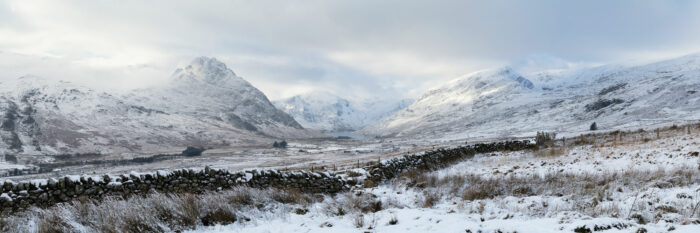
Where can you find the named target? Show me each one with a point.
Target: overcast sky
(353, 48)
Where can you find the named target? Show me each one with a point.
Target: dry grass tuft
(354, 174)
(155, 212)
(472, 187)
(477, 193)
(219, 216)
(429, 199)
(368, 184)
(136, 224)
(52, 223)
(364, 202)
(551, 152)
(393, 220)
(340, 212)
(241, 197)
(189, 210)
(359, 221)
(292, 196)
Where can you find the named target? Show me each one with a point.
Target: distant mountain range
(207, 104)
(204, 104)
(504, 102)
(329, 113)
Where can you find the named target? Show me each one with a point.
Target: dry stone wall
(431, 160)
(22, 195)
(17, 196)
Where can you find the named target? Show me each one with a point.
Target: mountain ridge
(493, 104)
(327, 112)
(205, 104)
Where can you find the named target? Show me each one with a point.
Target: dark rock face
(508, 72)
(612, 88)
(602, 103)
(18, 119)
(237, 122)
(525, 82)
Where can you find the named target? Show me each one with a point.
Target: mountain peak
(209, 63)
(491, 76)
(207, 70)
(510, 73)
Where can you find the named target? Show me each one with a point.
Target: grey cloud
(350, 47)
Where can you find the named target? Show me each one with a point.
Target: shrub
(193, 151)
(291, 196)
(241, 197)
(219, 216)
(374, 206)
(582, 229)
(523, 191)
(393, 220)
(359, 221)
(189, 210)
(583, 140)
(52, 223)
(282, 144)
(429, 200)
(640, 219)
(594, 126)
(480, 188)
(474, 193)
(301, 211)
(364, 202)
(163, 212)
(340, 212)
(368, 184)
(354, 174)
(544, 138)
(135, 224)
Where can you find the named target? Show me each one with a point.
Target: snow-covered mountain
(208, 89)
(504, 102)
(205, 103)
(330, 113)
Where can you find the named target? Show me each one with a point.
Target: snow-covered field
(619, 186)
(630, 182)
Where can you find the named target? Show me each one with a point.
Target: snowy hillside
(330, 113)
(503, 102)
(205, 104)
(207, 89)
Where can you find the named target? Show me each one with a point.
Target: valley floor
(625, 182)
(300, 154)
